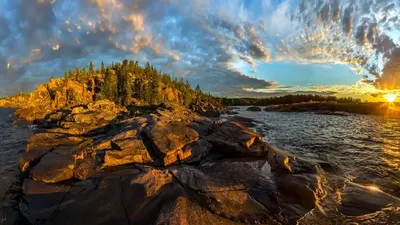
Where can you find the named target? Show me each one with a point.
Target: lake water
(13, 139)
(364, 149)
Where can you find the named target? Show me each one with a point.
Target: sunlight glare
(391, 97)
(373, 188)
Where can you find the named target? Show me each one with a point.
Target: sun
(391, 97)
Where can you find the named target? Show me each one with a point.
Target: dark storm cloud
(361, 33)
(324, 12)
(371, 35)
(224, 82)
(390, 78)
(347, 19)
(384, 44)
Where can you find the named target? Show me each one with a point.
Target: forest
(287, 99)
(126, 82)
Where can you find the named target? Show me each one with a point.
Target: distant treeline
(287, 99)
(19, 95)
(128, 81)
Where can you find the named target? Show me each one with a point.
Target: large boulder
(86, 167)
(186, 211)
(41, 200)
(40, 144)
(126, 148)
(234, 139)
(55, 166)
(97, 112)
(254, 109)
(334, 113)
(359, 200)
(196, 151)
(174, 113)
(168, 139)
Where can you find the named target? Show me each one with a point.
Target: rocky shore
(96, 165)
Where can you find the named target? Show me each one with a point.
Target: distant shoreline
(321, 107)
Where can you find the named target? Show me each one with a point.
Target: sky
(233, 48)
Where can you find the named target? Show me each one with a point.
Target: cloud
(348, 18)
(201, 41)
(250, 61)
(390, 78)
(137, 22)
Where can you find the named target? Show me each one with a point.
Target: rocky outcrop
(234, 139)
(357, 200)
(15, 102)
(335, 113)
(170, 166)
(254, 109)
(57, 94)
(208, 109)
(128, 148)
(168, 139)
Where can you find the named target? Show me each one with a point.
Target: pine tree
(70, 74)
(91, 68)
(77, 74)
(83, 75)
(197, 91)
(103, 69)
(109, 89)
(155, 82)
(187, 94)
(124, 84)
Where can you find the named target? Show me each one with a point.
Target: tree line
(128, 81)
(288, 99)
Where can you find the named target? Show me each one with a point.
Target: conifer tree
(110, 87)
(103, 69)
(77, 73)
(197, 91)
(70, 74)
(155, 82)
(187, 94)
(91, 68)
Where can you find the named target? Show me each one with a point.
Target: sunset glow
(391, 97)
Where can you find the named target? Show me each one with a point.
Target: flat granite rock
(126, 148)
(55, 166)
(168, 140)
(234, 139)
(41, 143)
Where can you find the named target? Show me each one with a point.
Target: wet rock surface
(170, 166)
(254, 109)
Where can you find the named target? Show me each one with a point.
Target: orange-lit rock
(168, 139)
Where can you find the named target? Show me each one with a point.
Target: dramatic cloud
(390, 78)
(211, 43)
